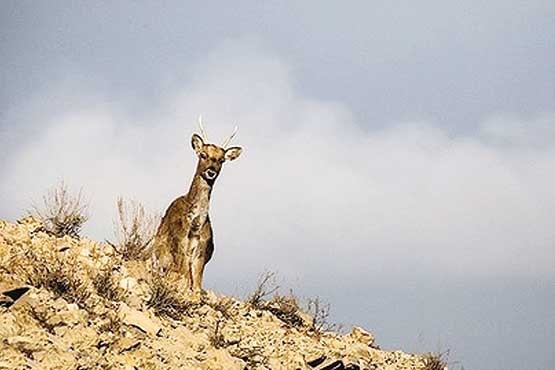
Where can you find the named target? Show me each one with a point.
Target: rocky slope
(76, 304)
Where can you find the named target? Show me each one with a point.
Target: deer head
(212, 157)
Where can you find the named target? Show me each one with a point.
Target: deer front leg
(198, 263)
(183, 263)
(197, 272)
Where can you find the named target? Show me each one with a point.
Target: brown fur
(184, 244)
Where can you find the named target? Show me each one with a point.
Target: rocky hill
(69, 303)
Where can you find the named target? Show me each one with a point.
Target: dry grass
(165, 299)
(111, 324)
(224, 306)
(62, 212)
(436, 361)
(265, 287)
(286, 308)
(106, 284)
(216, 338)
(134, 229)
(321, 314)
(59, 274)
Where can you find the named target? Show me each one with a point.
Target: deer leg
(197, 270)
(184, 264)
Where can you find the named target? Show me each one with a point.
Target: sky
(398, 160)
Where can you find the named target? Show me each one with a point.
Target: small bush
(134, 229)
(265, 287)
(216, 338)
(62, 212)
(106, 284)
(286, 308)
(166, 301)
(58, 274)
(111, 324)
(436, 361)
(321, 314)
(224, 306)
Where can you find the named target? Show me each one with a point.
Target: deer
(183, 243)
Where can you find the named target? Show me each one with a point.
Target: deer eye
(203, 155)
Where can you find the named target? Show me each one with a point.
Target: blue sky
(398, 160)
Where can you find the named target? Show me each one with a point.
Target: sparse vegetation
(265, 287)
(224, 306)
(62, 212)
(216, 338)
(134, 230)
(106, 284)
(111, 324)
(286, 308)
(321, 315)
(58, 274)
(436, 361)
(166, 300)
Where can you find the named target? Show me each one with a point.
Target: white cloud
(313, 193)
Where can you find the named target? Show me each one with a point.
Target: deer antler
(202, 130)
(228, 141)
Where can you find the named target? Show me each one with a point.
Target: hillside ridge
(68, 303)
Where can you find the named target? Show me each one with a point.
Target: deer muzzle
(210, 174)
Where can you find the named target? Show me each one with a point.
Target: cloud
(314, 193)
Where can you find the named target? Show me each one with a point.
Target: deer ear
(197, 143)
(233, 153)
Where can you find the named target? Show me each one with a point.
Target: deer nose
(210, 174)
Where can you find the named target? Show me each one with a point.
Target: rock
(16, 293)
(359, 335)
(336, 365)
(140, 320)
(316, 361)
(126, 344)
(128, 283)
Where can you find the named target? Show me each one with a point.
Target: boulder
(141, 320)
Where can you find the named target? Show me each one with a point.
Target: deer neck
(199, 198)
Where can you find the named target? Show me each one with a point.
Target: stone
(359, 335)
(139, 319)
(336, 365)
(128, 283)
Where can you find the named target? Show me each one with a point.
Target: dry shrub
(62, 212)
(166, 300)
(436, 361)
(216, 338)
(265, 287)
(321, 314)
(41, 316)
(110, 324)
(134, 229)
(106, 283)
(286, 308)
(224, 306)
(59, 274)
